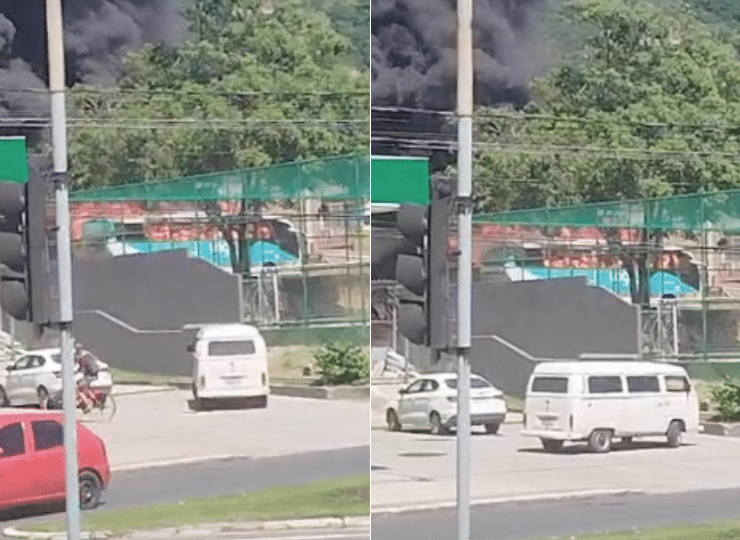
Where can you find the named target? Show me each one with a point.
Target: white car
(35, 378)
(430, 402)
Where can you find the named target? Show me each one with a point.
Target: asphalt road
(418, 470)
(218, 477)
(544, 519)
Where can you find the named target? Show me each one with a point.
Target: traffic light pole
(57, 88)
(465, 259)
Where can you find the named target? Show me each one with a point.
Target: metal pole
(57, 89)
(464, 267)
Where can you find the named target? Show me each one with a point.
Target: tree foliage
(258, 83)
(651, 109)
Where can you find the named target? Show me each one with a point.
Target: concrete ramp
(519, 323)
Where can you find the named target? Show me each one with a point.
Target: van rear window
(604, 385)
(676, 383)
(556, 385)
(230, 348)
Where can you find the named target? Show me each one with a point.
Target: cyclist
(87, 364)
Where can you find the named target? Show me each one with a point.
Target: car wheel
(438, 428)
(600, 441)
(552, 445)
(43, 395)
(3, 398)
(90, 490)
(674, 433)
(492, 429)
(391, 419)
(627, 440)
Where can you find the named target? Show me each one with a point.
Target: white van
(596, 401)
(229, 361)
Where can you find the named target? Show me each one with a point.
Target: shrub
(341, 364)
(726, 398)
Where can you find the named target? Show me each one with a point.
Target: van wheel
(600, 441)
(675, 430)
(492, 429)
(90, 490)
(552, 445)
(438, 428)
(391, 419)
(3, 398)
(261, 402)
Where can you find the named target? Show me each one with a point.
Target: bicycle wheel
(107, 408)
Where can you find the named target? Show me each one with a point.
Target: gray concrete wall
(153, 296)
(549, 319)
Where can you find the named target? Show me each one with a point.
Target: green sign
(399, 180)
(13, 159)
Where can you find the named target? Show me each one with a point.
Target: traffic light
(422, 309)
(23, 250)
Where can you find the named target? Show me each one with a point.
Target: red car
(32, 466)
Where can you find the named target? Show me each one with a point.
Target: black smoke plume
(97, 34)
(414, 45)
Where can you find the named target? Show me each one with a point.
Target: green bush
(341, 364)
(726, 399)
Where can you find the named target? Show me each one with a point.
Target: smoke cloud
(414, 52)
(97, 34)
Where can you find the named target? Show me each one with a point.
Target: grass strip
(708, 531)
(349, 496)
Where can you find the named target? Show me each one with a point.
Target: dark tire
(438, 428)
(626, 440)
(43, 396)
(552, 445)
(492, 429)
(675, 430)
(3, 398)
(261, 402)
(391, 420)
(90, 490)
(600, 441)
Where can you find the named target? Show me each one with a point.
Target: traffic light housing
(23, 250)
(422, 274)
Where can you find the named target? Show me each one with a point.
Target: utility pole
(57, 89)
(465, 259)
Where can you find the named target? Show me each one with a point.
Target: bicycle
(95, 404)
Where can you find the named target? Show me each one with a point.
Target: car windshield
(475, 382)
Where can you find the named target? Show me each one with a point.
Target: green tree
(650, 109)
(258, 84)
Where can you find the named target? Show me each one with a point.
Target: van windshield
(231, 348)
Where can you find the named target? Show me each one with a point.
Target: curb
(315, 392)
(537, 497)
(215, 528)
(720, 429)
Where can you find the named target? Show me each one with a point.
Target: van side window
(676, 383)
(555, 385)
(230, 348)
(604, 385)
(642, 383)
(11, 441)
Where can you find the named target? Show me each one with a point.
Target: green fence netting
(338, 178)
(696, 212)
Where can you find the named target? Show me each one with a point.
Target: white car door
(15, 386)
(408, 403)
